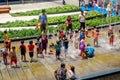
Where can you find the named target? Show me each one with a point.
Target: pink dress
(82, 45)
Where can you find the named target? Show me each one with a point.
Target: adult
(68, 23)
(89, 51)
(82, 20)
(43, 21)
(60, 74)
(86, 4)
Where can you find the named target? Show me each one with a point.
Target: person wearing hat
(89, 51)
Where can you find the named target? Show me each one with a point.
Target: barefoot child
(65, 44)
(93, 31)
(111, 39)
(31, 50)
(86, 30)
(44, 44)
(96, 35)
(4, 53)
(76, 37)
(23, 51)
(58, 49)
(5, 36)
(13, 57)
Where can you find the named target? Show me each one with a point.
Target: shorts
(82, 25)
(43, 27)
(57, 53)
(31, 54)
(23, 53)
(111, 41)
(4, 55)
(95, 39)
(14, 59)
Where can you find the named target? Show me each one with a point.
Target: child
(110, 30)
(93, 31)
(5, 36)
(13, 57)
(96, 34)
(51, 48)
(82, 47)
(58, 49)
(65, 44)
(31, 50)
(38, 46)
(86, 30)
(111, 39)
(81, 34)
(23, 51)
(44, 44)
(76, 40)
(61, 32)
(4, 55)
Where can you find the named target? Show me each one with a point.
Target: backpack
(60, 74)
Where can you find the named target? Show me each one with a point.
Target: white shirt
(82, 18)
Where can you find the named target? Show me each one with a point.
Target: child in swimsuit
(4, 53)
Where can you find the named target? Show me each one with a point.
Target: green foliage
(59, 9)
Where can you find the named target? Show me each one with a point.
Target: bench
(5, 9)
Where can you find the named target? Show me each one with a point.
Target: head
(94, 27)
(73, 69)
(6, 42)
(62, 65)
(82, 12)
(31, 42)
(5, 32)
(13, 48)
(22, 42)
(69, 17)
(83, 37)
(88, 44)
(44, 36)
(43, 11)
(87, 24)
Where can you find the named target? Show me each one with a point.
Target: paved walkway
(6, 17)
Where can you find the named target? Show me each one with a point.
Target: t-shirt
(6, 37)
(65, 44)
(57, 47)
(31, 47)
(22, 48)
(44, 42)
(96, 34)
(82, 18)
(43, 18)
(90, 50)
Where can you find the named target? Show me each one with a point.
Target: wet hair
(5, 31)
(22, 42)
(88, 44)
(73, 69)
(83, 37)
(31, 42)
(62, 65)
(13, 47)
(87, 24)
(6, 42)
(94, 26)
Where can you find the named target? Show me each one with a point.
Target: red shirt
(31, 47)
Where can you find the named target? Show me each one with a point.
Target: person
(65, 44)
(43, 21)
(13, 57)
(89, 51)
(61, 73)
(38, 46)
(82, 48)
(44, 44)
(76, 37)
(61, 33)
(6, 36)
(111, 39)
(93, 31)
(81, 35)
(4, 55)
(71, 73)
(110, 30)
(96, 35)
(57, 49)
(81, 20)
(31, 50)
(7, 44)
(109, 9)
(63, 2)
(68, 23)
(22, 48)
(86, 4)
(51, 48)
(86, 30)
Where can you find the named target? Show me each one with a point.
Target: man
(43, 21)
(81, 20)
(89, 51)
(60, 74)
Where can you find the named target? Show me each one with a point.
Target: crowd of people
(63, 40)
